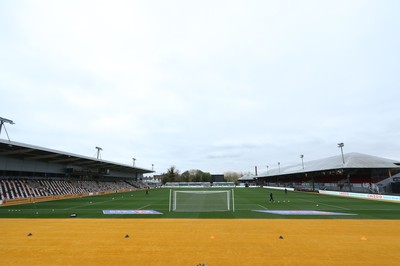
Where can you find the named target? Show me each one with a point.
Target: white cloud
(219, 85)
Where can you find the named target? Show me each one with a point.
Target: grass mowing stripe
(329, 205)
(246, 200)
(88, 204)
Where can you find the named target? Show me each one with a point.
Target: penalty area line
(334, 206)
(141, 208)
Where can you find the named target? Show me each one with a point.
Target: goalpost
(201, 200)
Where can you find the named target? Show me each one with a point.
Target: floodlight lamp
(5, 120)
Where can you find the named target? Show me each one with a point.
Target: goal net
(200, 201)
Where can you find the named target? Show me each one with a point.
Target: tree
(185, 177)
(195, 175)
(172, 175)
(232, 177)
(205, 177)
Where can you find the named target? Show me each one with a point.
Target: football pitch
(245, 203)
(339, 231)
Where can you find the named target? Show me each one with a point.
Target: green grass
(246, 201)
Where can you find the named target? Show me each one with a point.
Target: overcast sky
(211, 85)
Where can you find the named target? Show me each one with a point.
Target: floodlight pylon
(98, 152)
(3, 121)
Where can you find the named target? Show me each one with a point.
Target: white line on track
(262, 206)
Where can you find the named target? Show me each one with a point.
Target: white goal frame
(229, 194)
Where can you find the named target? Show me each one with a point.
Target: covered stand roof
(351, 161)
(247, 177)
(23, 151)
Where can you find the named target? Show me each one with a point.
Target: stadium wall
(361, 195)
(280, 188)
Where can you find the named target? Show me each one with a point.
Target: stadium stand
(31, 173)
(357, 173)
(11, 188)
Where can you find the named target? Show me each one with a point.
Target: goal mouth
(201, 201)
